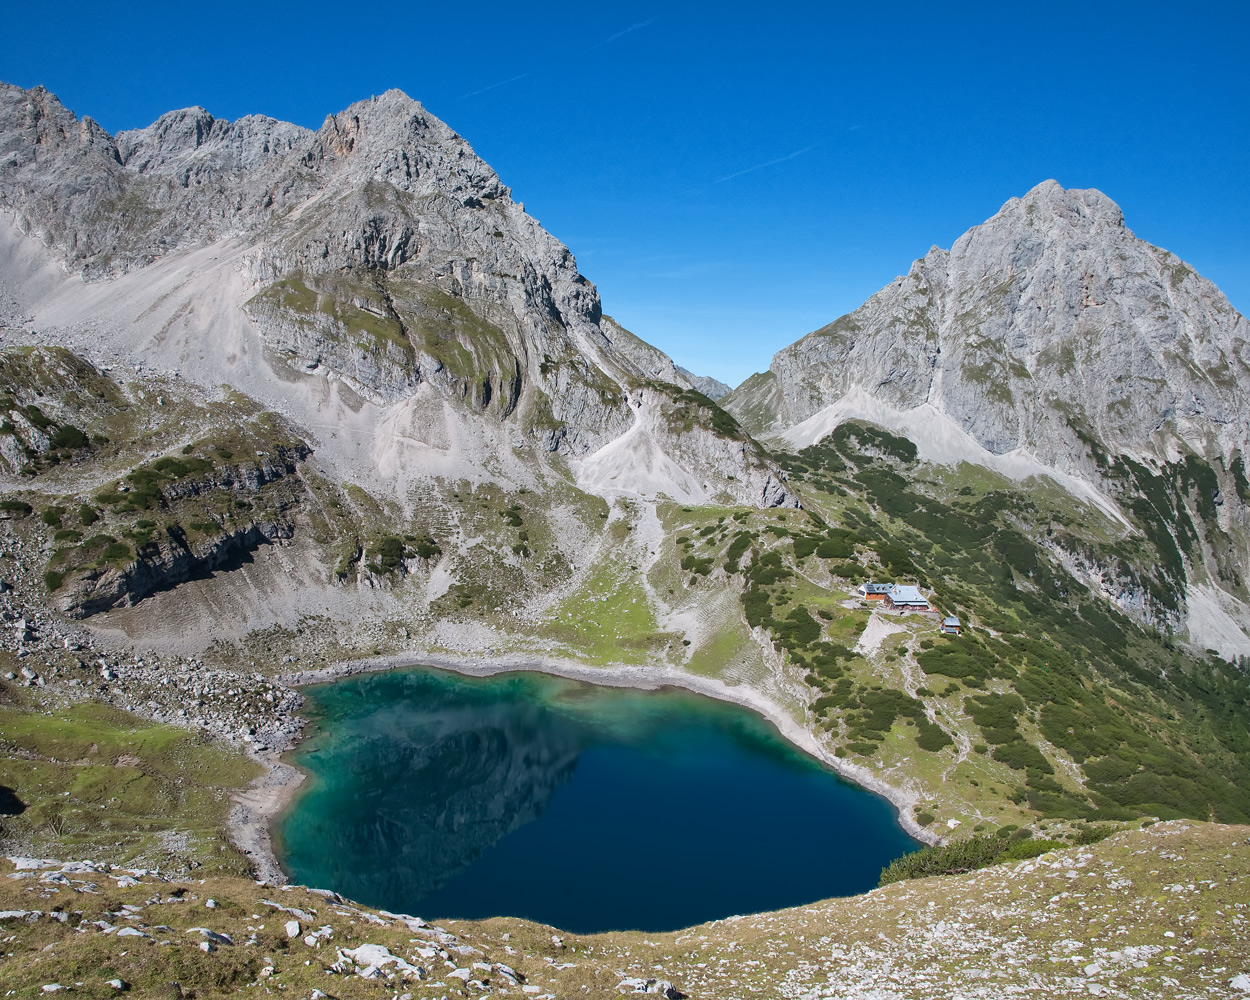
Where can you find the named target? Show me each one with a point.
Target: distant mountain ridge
(711, 387)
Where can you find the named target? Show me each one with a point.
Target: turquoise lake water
(586, 807)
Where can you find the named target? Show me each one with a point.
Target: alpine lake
(587, 807)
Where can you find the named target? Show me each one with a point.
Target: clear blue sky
(730, 175)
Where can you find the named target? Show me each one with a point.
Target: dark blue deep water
(586, 807)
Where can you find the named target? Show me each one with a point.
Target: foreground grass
(1159, 912)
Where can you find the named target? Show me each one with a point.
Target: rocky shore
(66, 664)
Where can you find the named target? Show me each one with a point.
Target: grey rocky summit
(1050, 339)
(378, 251)
(1046, 327)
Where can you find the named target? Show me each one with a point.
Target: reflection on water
(423, 786)
(585, 807)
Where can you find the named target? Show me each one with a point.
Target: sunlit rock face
(379, 252)
(1046, 327)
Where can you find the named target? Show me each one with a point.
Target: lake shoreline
(264, 801)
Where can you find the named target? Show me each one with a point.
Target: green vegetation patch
(388, 553)
(965, 856)
(691, 408)
(142, 488)
(98, 782)
(610, 620)
(1154, 731)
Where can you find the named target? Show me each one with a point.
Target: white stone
(376, 956)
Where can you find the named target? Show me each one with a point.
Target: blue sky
(731, 176)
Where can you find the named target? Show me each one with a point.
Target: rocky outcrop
(88, 583)
(162, 566)
(244, 477)
(1045, 327)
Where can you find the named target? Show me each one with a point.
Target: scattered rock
(372, 958)
(212, 936)
(657, 987)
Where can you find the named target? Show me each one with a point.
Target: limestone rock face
(378, 251)
(1046, 327)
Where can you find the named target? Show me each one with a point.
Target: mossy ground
(91, 780)
(609, 620)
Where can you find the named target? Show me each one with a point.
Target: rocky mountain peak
(36, 118)
(393, 120)
(1050, 340)
(393, 139)
(171, 134)
(1048, 325)
(380, 252)
(190, 142)
(1085, 208)
(1072, 221)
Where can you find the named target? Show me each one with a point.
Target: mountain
(1049, 340)
(374, 283)
(710, 387)
(278, 404)
(1045, 326)
(377, 254)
